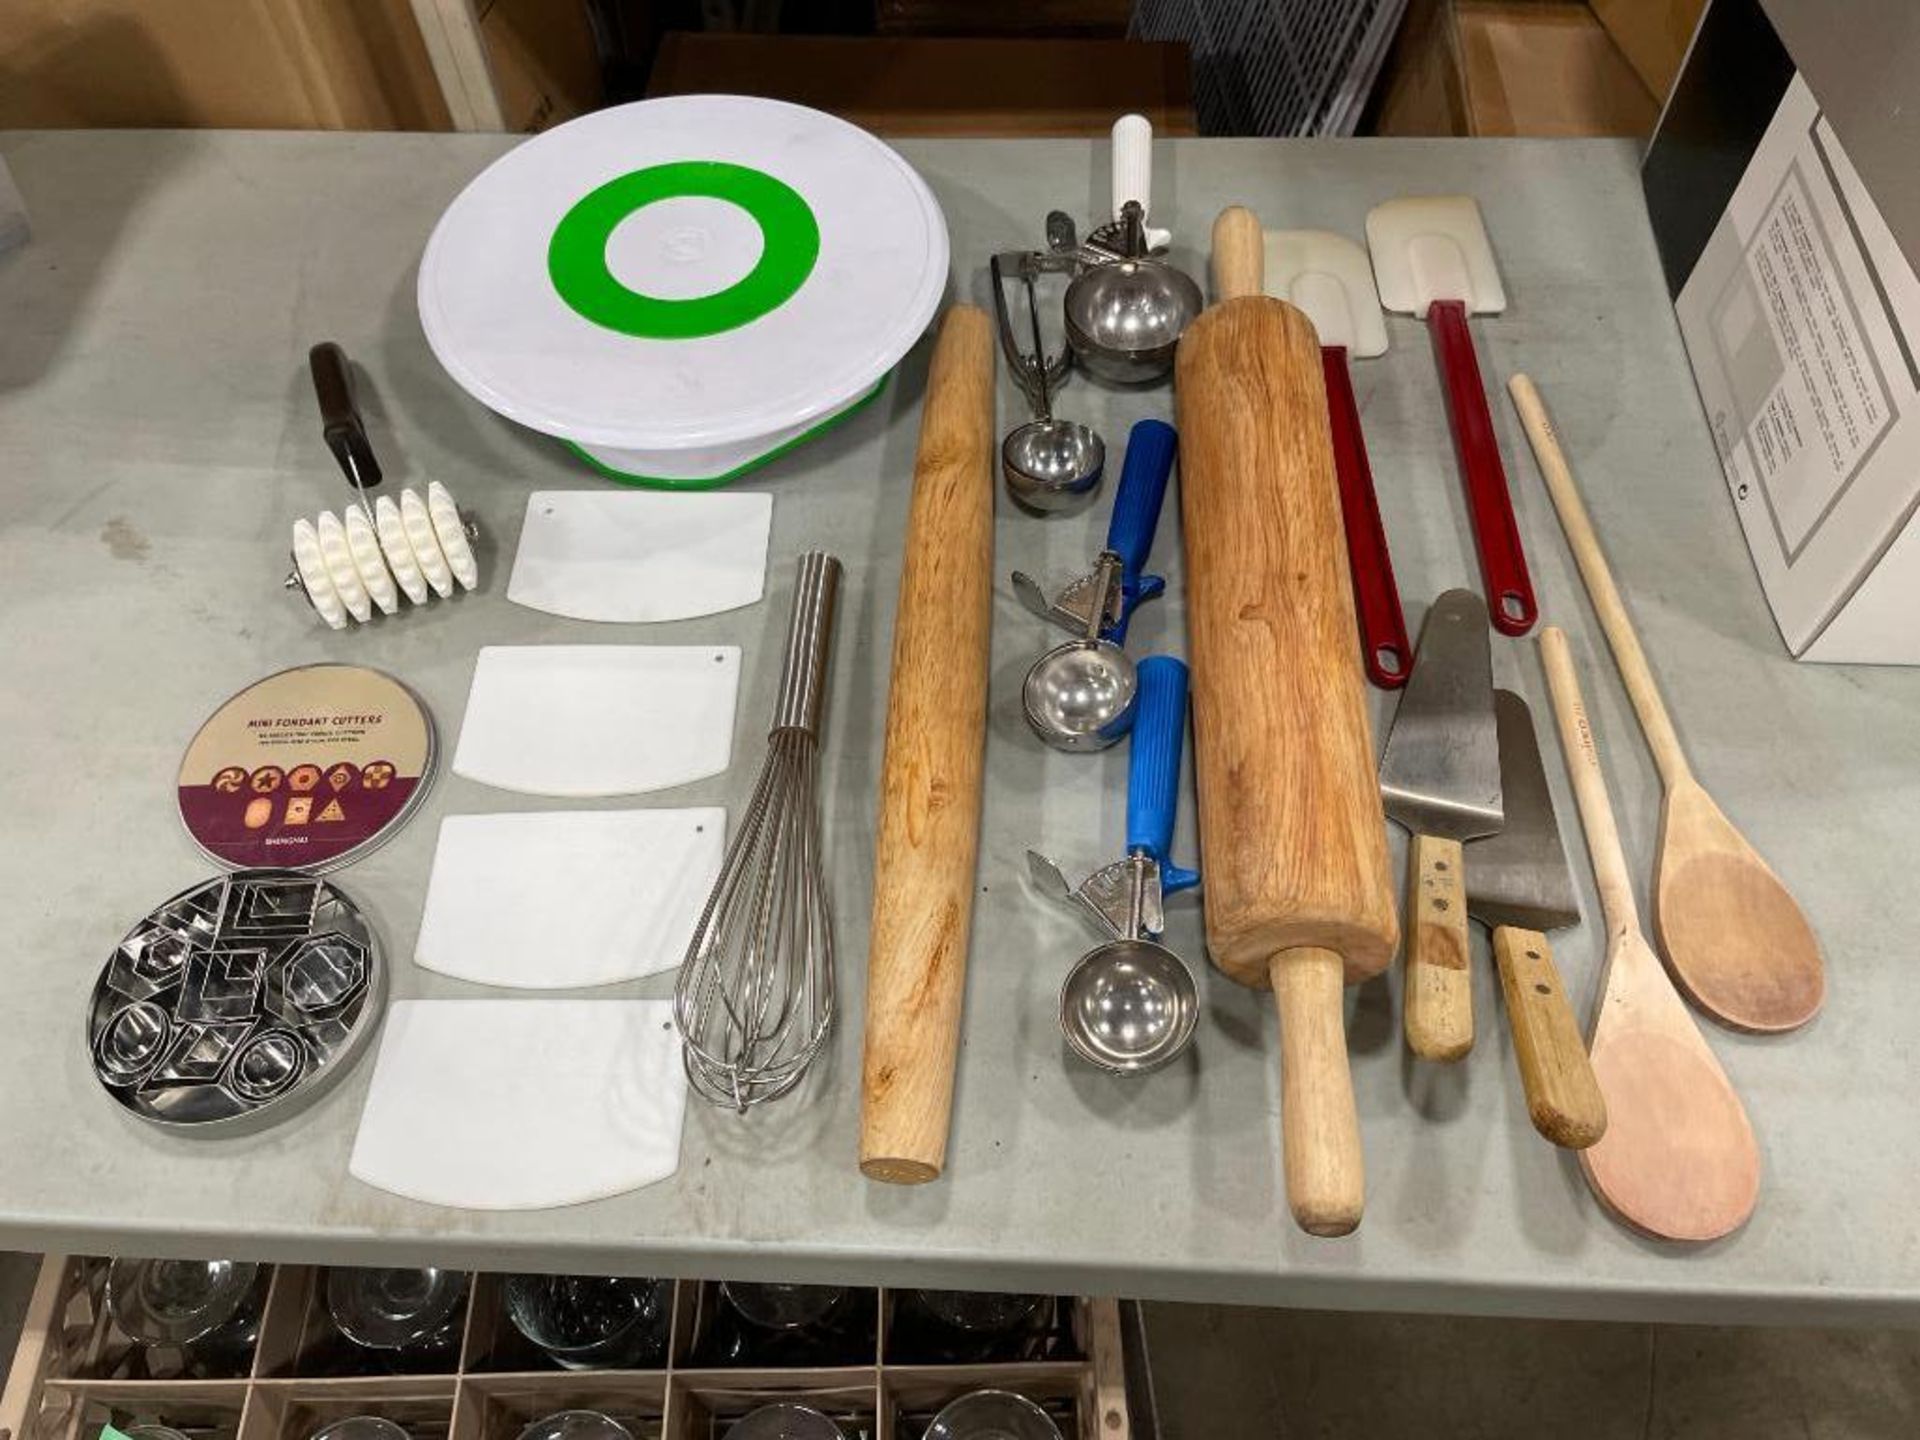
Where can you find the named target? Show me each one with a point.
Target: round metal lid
(236, 1003)
(307, 769)
(683, 272)
(175, 1302)
(392, 1309)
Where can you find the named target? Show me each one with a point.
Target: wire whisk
(755, 996)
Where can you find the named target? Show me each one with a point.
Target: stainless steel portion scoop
(1048, 464)
(1079, 696)
(1124, 318)
(1130, 1005)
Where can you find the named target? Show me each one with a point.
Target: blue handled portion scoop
(1130, 529)
(1130, 1005)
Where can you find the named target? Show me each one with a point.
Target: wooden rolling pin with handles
(1292, 834)
(929, 826)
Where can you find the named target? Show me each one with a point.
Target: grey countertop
(157, 437)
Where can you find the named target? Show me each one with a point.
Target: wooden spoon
(1678, 1159)
(1738, 944)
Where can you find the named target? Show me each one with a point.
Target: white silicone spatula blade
(1329, 277)
(1433, 247)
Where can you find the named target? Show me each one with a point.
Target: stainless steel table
(157, 437)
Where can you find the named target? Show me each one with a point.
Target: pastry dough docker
(365, 559)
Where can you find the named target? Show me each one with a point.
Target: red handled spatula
(1327, 276)
(1431, 259)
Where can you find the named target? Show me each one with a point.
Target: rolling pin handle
(1320, 1128)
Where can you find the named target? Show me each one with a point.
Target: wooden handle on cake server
(929, 824)
(1292, 835)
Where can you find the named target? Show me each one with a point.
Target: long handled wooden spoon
(1678, 1159)
(1738, 944)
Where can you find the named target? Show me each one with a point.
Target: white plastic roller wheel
(399, 550)
(451, 531)
(312, 569)
(354, 565)
(341, 569)
(426, 546)
(365, 547)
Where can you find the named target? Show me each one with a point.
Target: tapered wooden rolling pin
(1292, 836)
(929, 827)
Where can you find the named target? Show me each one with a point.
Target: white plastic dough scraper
(522, 1104)
(634, 556)
(592, 721)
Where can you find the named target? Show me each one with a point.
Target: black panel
(1721, 106)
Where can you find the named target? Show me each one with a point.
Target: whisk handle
(803, 671)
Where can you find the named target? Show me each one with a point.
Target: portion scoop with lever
(1048, 464)
(1079, 696)
(1130, 531)
(1125, 317)
(1130, 1005)
(1440, 777)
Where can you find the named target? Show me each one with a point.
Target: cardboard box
(248, 64)
(1801, 317)
(896, 85)
(1508, 67)
(1652, 34)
